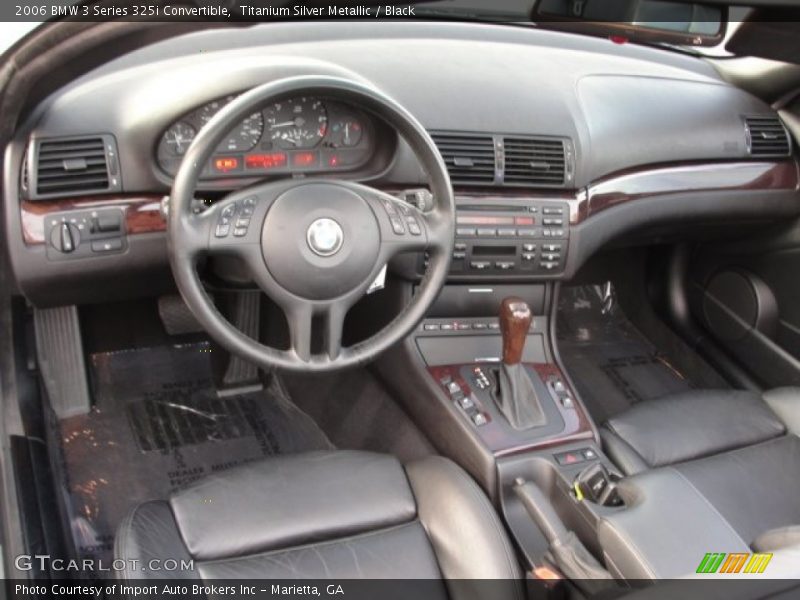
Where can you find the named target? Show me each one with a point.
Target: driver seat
(339, 514)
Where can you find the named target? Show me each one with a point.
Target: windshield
(516, 12)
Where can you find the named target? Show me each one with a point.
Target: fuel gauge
(347, 133)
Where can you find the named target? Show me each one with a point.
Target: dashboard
(556, 145)
(297, 135)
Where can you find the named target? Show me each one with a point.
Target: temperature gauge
(347, 133)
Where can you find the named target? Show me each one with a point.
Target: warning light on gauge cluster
(333, 161)
(304, 159)
(226, 163)
(265, 161)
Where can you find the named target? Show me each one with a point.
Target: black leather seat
(732, 456)
(336, 515)
(694, 425)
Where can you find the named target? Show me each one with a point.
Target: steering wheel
(313, 246)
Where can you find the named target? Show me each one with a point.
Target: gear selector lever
(515, 395)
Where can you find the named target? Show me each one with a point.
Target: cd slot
(494, 251)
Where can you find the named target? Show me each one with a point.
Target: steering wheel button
(413, 226)
(397, 225)
(249, 202)
(388, 205)
(222, 230)
(243, 222)
(228, 211)
(240, 232)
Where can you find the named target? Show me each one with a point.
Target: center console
(481, 376)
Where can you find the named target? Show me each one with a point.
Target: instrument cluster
(301, 134)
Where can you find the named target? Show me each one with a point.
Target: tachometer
(297, 123)
(178, 138)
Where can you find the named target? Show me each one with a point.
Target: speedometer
(245, 136)
(297, 123)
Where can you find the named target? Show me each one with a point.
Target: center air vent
(766, 136)
(512, 161)
(469, 158)
(534, 162)
(73, 166)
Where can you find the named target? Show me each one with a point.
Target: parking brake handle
(568, 553)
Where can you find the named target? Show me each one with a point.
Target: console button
(111, 245)
(504, 265)
(459, 255)
(466, 403)
(465, 231)
(553, 222)
(459, 246)
(479, 326)
(462, 326)
(453, 388)
(480, 265)
(529, 247)
(107, 223)
(447, 327)
(486, 232)
(526, 256)
(569, 458)
(478, 419)
(431, 327)
(551, 247)
(527, 232)
(548, 266)
(506, 231)
(551, 256)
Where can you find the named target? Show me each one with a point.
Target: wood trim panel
(142, 213)
(632, 185)
(577, 426)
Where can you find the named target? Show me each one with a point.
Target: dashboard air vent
(534, 162)
(766, 136)
(470, 158)
(70, 166)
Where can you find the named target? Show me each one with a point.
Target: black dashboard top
(619, 106)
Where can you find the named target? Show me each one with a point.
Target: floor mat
(156, 426)
(612, 364)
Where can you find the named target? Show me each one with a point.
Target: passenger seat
(739, 451)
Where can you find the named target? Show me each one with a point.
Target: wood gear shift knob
(515, 320)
